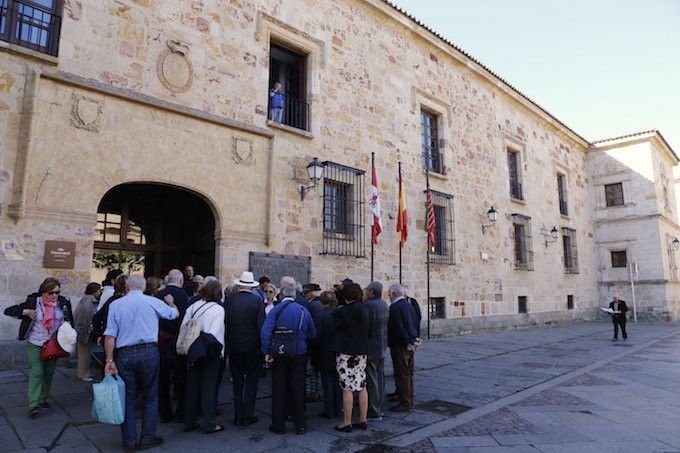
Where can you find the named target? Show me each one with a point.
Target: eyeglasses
(269, 291)
(52, 293)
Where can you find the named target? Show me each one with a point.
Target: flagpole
(401, 244)
(372, 245)
(427, 183)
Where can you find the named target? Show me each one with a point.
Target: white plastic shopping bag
(109, 400)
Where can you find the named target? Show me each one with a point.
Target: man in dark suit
(619, 317)
(244, 319)
(402, 338)
(173, 368)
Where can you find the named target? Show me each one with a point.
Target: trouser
(288, 379)
(174, 374)
(276, 114)
(220, 376)
(619, 320)
(402, 362)
(332, 393)
(83, 370)
(40, 379)
(375, 385)
(312, 384)
(245, 372)
(139, 370)
(201, 380)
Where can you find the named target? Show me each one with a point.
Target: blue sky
(603, 67)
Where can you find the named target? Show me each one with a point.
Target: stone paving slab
(565, 388)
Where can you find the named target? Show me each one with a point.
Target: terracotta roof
(650, 132)
(496, 76)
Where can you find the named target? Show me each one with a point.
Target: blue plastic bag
(109, 400)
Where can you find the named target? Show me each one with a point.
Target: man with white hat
(244, 319)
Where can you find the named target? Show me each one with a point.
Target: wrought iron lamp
(315, 173)
(676, 243)
(550, 236)
(492, 215)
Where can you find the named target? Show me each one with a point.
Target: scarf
(48, 313)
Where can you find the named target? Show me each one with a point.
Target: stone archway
(151, 228)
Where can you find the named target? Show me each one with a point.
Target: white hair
(288, 291)
(175, 276)
(136, 282)
(287, 281)
(398, 290)
(210, 278)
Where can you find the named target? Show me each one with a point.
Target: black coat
(351, 329)
(323, 357)
(401, 324)
(16, 311)
(623, 308)
(171, 326)
(244, 318)
(100, 318)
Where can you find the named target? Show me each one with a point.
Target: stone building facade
(148, 120)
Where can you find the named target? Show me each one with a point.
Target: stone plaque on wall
(276, 266)
(59, 255)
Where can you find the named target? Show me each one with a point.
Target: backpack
(189, 332)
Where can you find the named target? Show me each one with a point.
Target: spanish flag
(402, 216)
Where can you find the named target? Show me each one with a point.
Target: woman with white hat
(41, 316)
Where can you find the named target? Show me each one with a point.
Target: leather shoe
(393, 398)
(302, 430)
(238, 421)
(399, 408)
(247, 421)
(167, 418)
(343, 429)
(362, 426)
(392, 394)
(275, 430)
(148, 444)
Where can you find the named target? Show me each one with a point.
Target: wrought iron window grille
(343, 211)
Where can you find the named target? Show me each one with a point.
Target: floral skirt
(352, 371)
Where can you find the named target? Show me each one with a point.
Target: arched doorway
(152, 228)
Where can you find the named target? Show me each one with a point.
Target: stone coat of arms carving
(174, 68)
(242, 151)
(86, 112)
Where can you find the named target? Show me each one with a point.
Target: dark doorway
(152, 228)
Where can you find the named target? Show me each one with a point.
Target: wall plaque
(59, 255)
(276, 266)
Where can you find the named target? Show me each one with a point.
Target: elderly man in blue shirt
(131, 337)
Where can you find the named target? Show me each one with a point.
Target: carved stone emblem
(86, 112)
(174, 68)
(242, 151)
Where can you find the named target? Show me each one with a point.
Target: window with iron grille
(524, 255)
(432, 153)
(619, 258)
(562, 194)
(570, 302)
(570, 251)
(437, 307)
(34, 24)
(613, 194)
(515, 175)
(343, 211)
(444, 241)
(522, 304)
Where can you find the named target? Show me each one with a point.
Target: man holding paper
(619, 309)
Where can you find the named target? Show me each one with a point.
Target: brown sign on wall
(59, 255)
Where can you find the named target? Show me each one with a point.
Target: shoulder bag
(284, 340)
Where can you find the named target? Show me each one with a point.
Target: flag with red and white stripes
(431, 223)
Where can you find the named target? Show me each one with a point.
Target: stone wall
(175, 92)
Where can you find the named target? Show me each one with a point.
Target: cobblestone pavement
(566, 388)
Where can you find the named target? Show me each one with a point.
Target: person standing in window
(619, 308)
(276, 103)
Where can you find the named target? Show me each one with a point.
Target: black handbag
(284, 340)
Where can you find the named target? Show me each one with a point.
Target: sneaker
(34, 411)
(148, 444)
(45, 405)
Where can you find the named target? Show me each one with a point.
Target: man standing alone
(402, 338)
(132, 352)
(619, 316)
(244, 319)
(377, 347)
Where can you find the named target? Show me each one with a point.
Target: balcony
(295, 113)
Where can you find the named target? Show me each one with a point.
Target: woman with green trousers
(41, 315)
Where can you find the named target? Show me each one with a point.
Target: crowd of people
(170, 340)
